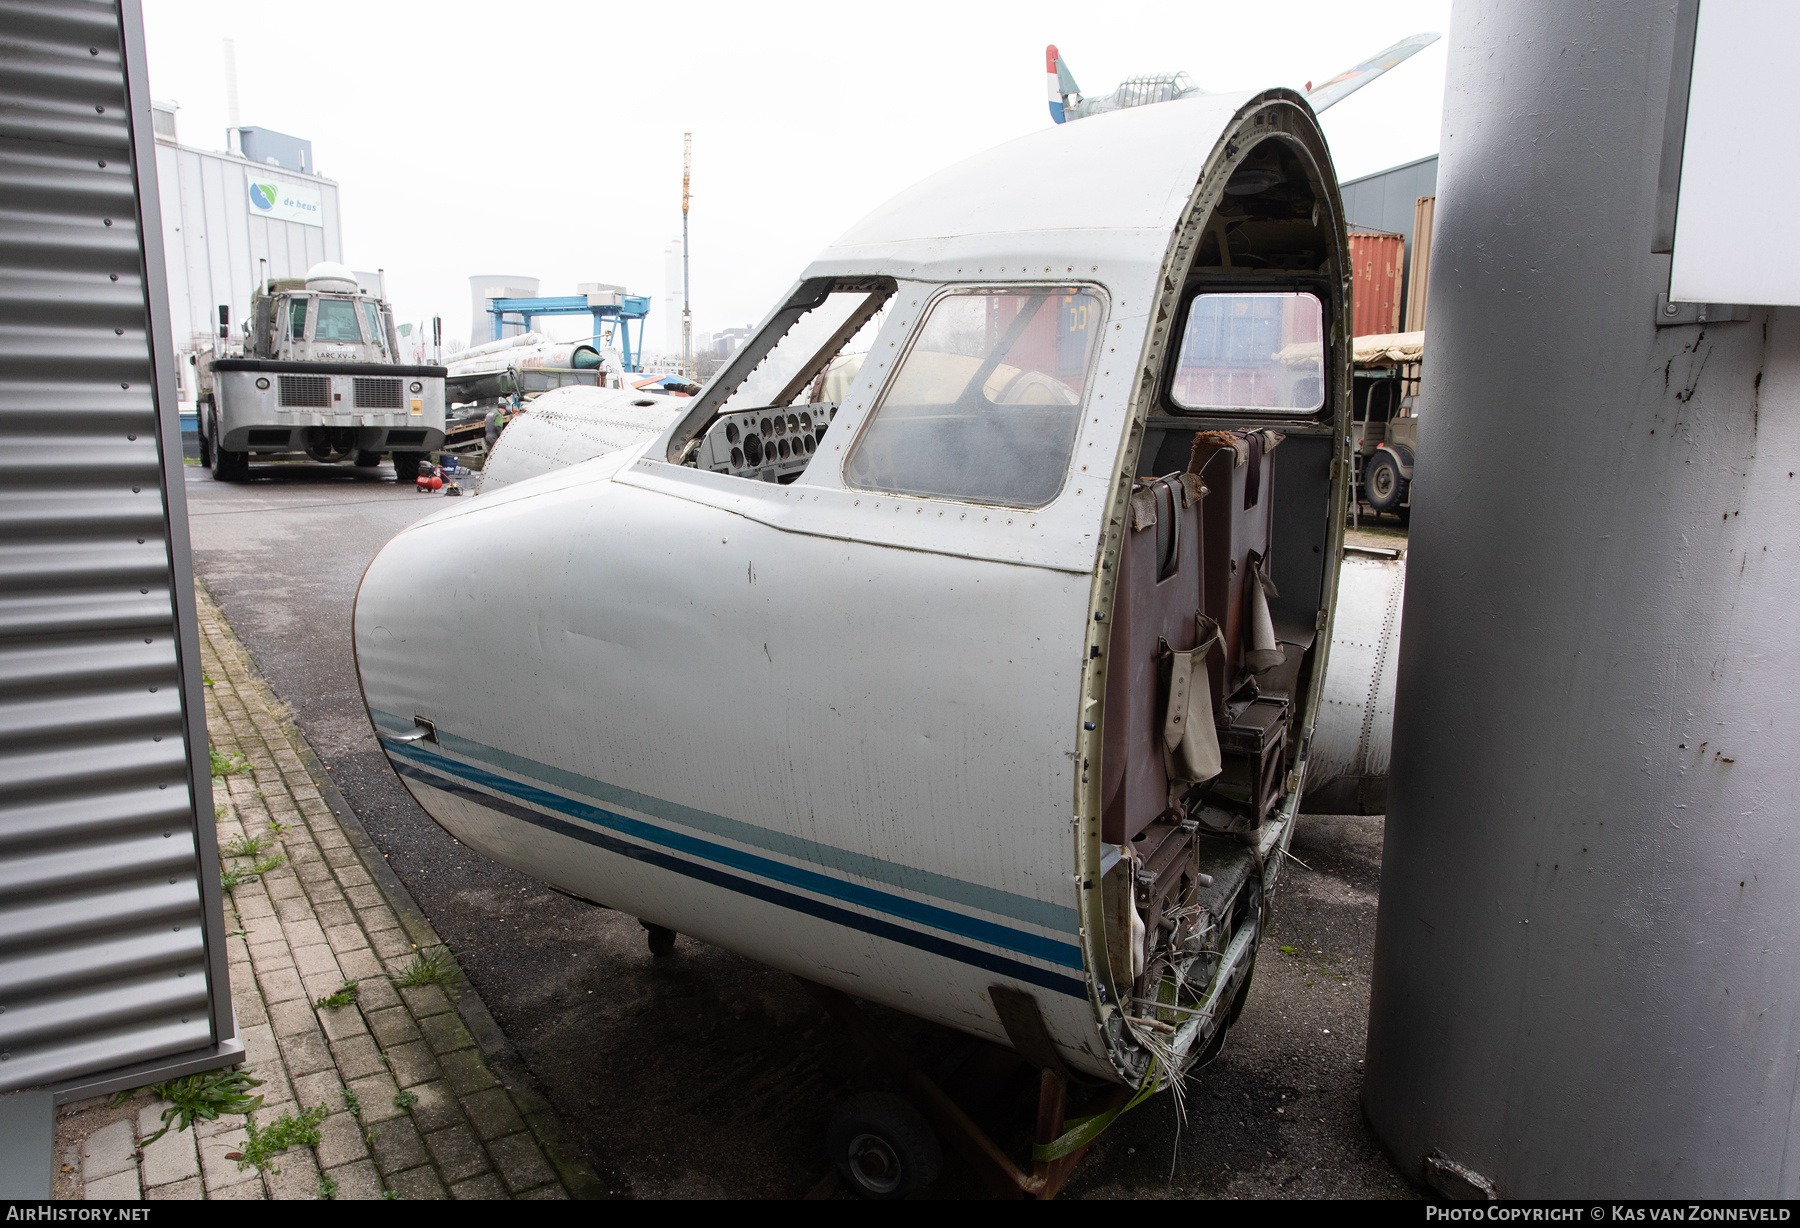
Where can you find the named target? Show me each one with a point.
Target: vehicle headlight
(415, 386)
(262, 383)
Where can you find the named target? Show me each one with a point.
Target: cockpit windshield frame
(806, 297)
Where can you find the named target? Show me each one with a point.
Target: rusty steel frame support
(1005, 1178)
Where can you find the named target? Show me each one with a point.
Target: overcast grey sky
(544, 139)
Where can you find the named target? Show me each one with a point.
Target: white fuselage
(853, 734)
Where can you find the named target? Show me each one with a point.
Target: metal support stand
(1005, 1178)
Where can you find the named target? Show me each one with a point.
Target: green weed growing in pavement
(427, 968)
(201, 1097)
(354, 1104)
(328, 1187)
(405, 1100)
(345, 995)
(284, 1132)
(390, 1195)
(233, 877)
(245, 846)
(227, 765)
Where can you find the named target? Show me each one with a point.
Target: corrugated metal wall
(111, 956)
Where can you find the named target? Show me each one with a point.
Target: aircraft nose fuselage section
(877, 665)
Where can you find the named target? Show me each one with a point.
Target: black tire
(366, 459)
(206, 453)
(229, 466)
(883, 1147)
(1384, 489)
(1217, 1044)
(406, 465)
(662, 941)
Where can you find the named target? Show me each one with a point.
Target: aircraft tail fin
(1061, 83)
(1354, 78)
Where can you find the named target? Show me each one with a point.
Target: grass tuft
(227, 765)
(328, 1187)
(233, 877)
(345, 995)
(427, 968)
(245, 846)
(405, 1100)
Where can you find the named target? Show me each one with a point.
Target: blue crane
(623, 308)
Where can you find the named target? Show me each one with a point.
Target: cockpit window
(297, 316)
(337, 321)
(1253, 352)
(985, 405)
(801, 348)
(372, 318)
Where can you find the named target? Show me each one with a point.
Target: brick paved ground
(424, 1097)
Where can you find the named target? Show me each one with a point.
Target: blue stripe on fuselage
(978, 896)
(435, 777)
(961, 924)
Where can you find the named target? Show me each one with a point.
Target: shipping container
(1376, 261)
(1419, 271)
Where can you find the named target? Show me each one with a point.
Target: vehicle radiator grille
(373, 392)
(306, 392)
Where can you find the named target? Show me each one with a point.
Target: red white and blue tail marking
(1056, 95)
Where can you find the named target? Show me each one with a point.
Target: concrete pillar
(1587, 965)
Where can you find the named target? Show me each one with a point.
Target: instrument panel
(770, 444)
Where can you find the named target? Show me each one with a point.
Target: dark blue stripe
(915, 880)
(1034, 945)
(762, 891)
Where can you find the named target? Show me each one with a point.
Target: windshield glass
(297, 314)
(540, 380)
(985, 405)
(1258, 352)
(372, 317)
(337, 321)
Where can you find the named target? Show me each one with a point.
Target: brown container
(1419, 275)
(1376, 260)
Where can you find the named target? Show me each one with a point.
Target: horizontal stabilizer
(1350, 80)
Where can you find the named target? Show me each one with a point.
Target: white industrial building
(229, 220)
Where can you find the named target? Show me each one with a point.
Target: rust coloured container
(1376, 261)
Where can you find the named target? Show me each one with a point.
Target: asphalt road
(707, 1075)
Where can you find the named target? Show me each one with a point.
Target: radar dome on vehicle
(329, 275)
